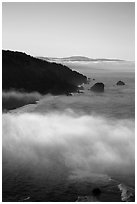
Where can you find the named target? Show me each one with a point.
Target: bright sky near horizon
(96, 30)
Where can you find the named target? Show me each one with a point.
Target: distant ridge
(79, 58)
(23, 72)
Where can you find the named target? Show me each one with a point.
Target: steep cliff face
(23, 72)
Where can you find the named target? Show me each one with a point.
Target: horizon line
(98, 58)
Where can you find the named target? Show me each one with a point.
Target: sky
(96, 30)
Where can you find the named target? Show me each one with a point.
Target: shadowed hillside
(25, 73)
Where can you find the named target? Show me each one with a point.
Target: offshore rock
(120, 83)
(98, 87)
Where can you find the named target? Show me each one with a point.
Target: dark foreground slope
(23, 72)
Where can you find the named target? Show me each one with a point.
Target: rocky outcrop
(120, 83)
(98, 87)
(80, 87)
(88, 80)
(95, 197)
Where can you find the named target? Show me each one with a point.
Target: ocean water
(63, 147)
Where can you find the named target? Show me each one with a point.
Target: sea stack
(120, 83)
(98, 87)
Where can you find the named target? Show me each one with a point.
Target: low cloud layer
(14, 99)
(84, 145)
